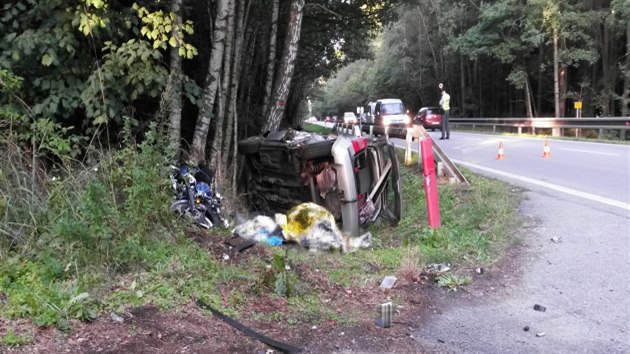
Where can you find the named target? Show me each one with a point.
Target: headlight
(407, 119)
(385, 120)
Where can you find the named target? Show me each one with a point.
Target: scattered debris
(248, 331)
(540, 308)
(555, 239)
(308, 224)
(388, 282)
(385, 315)
(526, 329)
(352, 244)
(439, 267)
(480, 270)
(117, 318)
(313, 227)
(260, 229)
(541, 334)
(440, 340)
(226, 257)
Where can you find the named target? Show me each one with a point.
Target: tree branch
(324, 8)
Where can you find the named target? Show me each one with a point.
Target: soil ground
(190, 330)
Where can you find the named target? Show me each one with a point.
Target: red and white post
(430, 182)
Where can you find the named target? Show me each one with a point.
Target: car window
(392, 108)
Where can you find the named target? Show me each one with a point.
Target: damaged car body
(356, 179)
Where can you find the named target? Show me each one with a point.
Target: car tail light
(359, 144)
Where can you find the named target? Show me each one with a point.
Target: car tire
(249, 146)
(316, 150)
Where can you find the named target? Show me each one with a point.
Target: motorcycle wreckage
(195, 196)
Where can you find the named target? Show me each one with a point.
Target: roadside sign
(577, 105)
(280, 104)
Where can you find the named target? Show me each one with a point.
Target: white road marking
(590, 152)
(573, 192)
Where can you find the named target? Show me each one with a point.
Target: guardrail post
(555, 132)
(520, 130)
(494, 128)
(600, 132)
(408, 139)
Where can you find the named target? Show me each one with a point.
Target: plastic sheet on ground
(260, 229)
(314, 227)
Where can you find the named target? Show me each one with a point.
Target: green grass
(453, 281)
(314, 128)
(11, 339)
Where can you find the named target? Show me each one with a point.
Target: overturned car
(356, 179)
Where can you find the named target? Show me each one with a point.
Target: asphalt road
(581, 196)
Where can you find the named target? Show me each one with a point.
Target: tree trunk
(217, 140)
(236, 73)
(175, 83)
(528, 100)
(462, 83)
(556, 79)
(540, 79)
(271, 61)
(562, 88)
(285, 73)
(426, 30)
(625, 97)
(212, 83)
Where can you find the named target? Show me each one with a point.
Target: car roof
(348, 113)
(423, 108)
(390, 100)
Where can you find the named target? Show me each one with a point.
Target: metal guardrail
(556, 124)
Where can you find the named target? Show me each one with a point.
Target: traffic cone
(546, 152)
(500, 155)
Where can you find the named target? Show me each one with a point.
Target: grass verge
(95, 248)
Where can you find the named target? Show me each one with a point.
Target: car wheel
(249, 146)
(316, 150)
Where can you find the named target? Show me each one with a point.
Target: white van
(390, 112)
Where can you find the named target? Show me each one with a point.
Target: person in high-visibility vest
(445, 103)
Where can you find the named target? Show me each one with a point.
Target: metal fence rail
(558, 125)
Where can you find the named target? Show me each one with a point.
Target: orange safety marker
(500, 155)
(546, 150)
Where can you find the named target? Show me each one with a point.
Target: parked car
(349, 118)
(429, 118)
(390, 112)
(357, 180)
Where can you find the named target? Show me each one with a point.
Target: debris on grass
(388, 282)
(439, 267)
